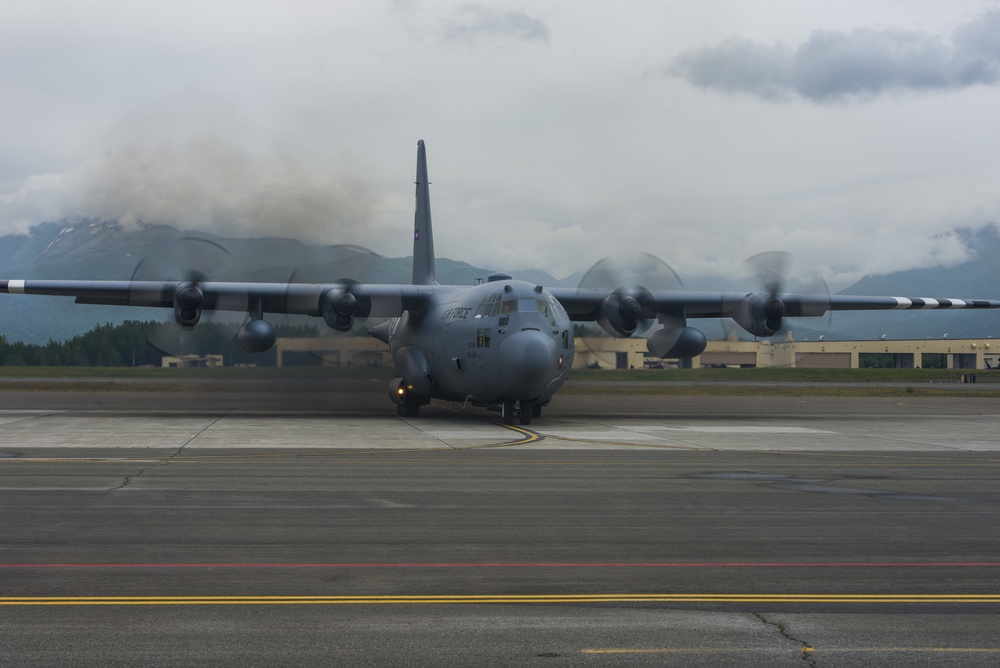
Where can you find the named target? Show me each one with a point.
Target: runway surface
(316, 527)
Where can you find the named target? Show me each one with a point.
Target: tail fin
(423, 234)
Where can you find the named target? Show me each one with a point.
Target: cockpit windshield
(496, 304)
(527, 306)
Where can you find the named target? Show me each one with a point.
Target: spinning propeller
(766, 314)
(627, 311)
(191, 261)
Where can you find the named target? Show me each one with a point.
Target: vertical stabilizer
(423, 234)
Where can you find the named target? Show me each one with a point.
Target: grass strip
(746, 390)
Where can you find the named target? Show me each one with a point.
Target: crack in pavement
(807, 649)
(166, 460)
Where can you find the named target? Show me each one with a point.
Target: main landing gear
(409, 408)
(524, 410)
(407, 403)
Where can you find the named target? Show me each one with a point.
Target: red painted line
(730, 564)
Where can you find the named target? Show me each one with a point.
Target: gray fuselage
(502, 340)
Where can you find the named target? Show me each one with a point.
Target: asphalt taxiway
(248, 529)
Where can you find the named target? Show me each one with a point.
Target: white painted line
(740, 429)
(603, 435)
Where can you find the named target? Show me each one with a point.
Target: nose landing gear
(524, 410)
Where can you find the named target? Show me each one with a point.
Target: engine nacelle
(188, 303)
(338, 308)
(760, 314)
(619, 314)
(257, 336)
(677, 342)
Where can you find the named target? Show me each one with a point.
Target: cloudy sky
(853, 134)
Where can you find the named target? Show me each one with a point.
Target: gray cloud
(832, 65)
(200, 181)
(473, 22)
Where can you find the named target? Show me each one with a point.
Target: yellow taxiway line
(500, 599)
(805, 650)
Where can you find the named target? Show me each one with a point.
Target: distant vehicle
(505, 343)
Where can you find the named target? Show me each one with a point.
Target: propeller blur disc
(772, 271)
(770, 268)
(639, 273)
(194, 259)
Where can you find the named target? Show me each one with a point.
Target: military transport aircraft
(504, 344)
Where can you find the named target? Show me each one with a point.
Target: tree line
(128, 344)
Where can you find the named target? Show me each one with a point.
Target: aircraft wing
(759, 313)
(296, 298)
(586, 304)
(391, 300)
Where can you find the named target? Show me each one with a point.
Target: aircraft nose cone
(527, 358)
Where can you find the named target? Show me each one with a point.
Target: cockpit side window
(546, 309)
(557, 308)
(490, 307)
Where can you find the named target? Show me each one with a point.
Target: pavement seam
(807, 649)
(440, 440)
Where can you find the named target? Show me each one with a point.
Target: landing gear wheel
(507, 411)
(536, 410)
(527, 411)
(408, 409)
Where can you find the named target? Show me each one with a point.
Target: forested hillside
(128, 344)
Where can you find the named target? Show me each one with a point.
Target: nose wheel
(507, 411)
(524, 411)
(527, 411)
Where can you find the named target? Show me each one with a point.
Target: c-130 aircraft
(504, 344)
